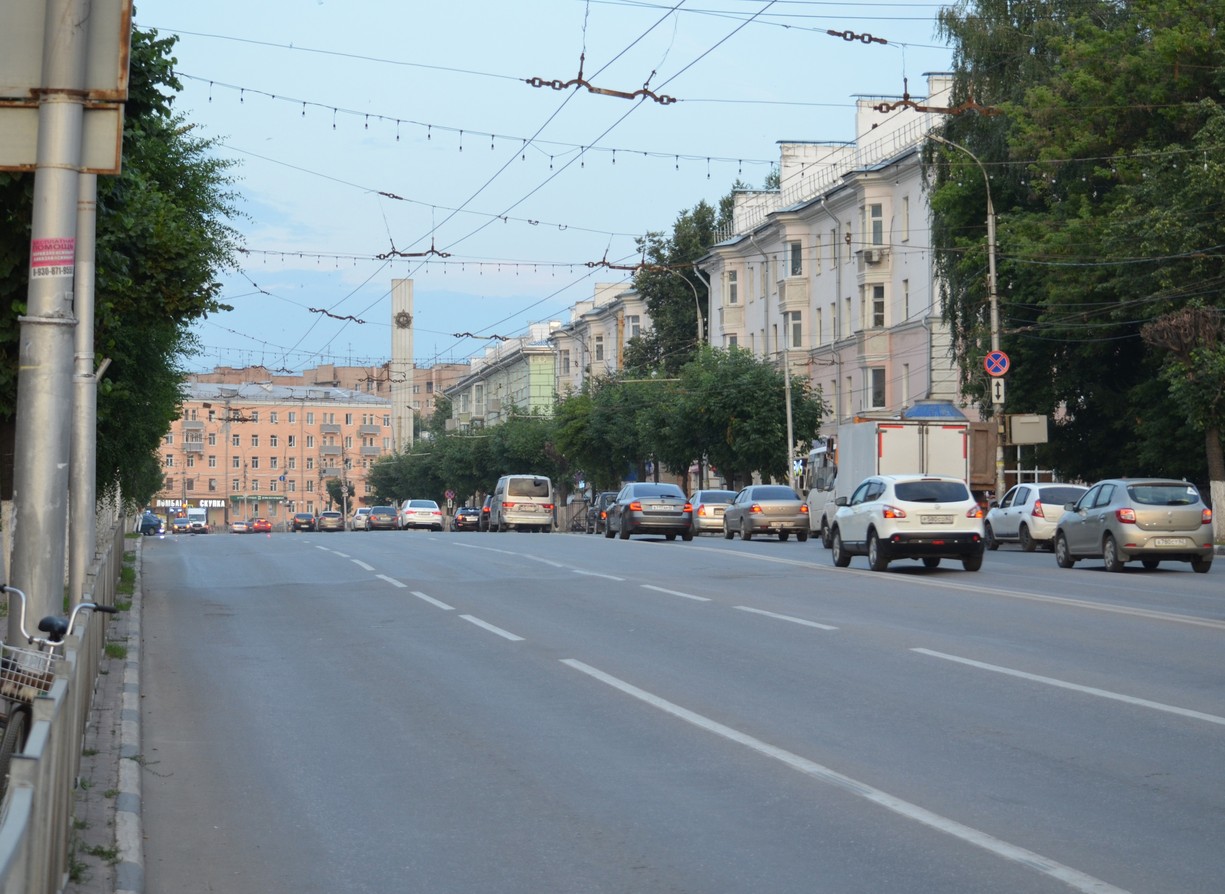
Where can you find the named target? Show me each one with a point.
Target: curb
(129, 833)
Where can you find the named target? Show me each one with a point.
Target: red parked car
(261, 526)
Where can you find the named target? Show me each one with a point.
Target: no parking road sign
(996, 363)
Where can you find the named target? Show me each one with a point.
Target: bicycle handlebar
(55, 626)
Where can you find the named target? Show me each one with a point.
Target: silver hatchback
(1150, 520)
(766, 509)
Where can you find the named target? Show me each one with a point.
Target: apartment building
(262, 450)
(593, 343)
(833, 271)
(513, 376)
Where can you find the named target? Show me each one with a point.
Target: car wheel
(624, 531)
(687, 536)
(1063, 556)
(931, 562)
(1028, 544)
(608, 531)
(783, 536)
(1150, 564)
(801, 536)
(841, 557)
(877, 559)
(1110, 555)
(1201, 564)
(746, 532)
(972, 563)
(989, 537)
(670, 536)
(728, 533)
(826, 540)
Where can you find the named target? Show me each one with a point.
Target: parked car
(330, 520)
(303, 521)
(151, 524)
(466, 518)
(647, 508)
(261, 526)
(1149, 520)
(1028, 514)
(708, 507)
(766, 509)
(522, 502)
(420, 514)
(240, 526)
(483, 523)
(382, 518)
(357, 521)
(889, 517)
(597, 513)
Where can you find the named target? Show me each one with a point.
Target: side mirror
(842, 501)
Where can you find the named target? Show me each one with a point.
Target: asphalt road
(374, 712)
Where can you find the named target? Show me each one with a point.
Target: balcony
(193, 447)
(329, 428)
(874, 259)
(193, 425)
(793, 294)
(364, 430)
(329, 450)
(375, 451)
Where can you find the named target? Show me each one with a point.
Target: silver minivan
(523, 502)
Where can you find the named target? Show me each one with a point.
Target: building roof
(265, 393)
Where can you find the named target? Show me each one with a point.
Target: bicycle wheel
(12, 741)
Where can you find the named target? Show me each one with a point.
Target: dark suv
(596, 519)
(303, 521)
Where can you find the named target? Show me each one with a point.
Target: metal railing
(36, 814)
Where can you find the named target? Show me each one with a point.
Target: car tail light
(804, 509)
(1205, 517)
(548, 507)
(893, 512)
(755, 509)
(702, 510)
(1038, 513)
(635, 506)
(974, 511)
(603, 514)
(688, 507)
(1126, 515)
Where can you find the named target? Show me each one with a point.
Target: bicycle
(26, 674)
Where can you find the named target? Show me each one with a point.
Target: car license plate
(1169, 541)
(936, 519)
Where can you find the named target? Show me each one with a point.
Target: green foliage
(340, 492)
(162, 235)
(1106, 170)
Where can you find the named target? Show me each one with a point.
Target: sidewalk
(106, 850)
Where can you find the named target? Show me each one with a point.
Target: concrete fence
(36, 814)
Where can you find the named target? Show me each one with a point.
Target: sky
(367, 130)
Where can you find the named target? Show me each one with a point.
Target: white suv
(909, 517)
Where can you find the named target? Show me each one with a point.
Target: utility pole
(44, 385)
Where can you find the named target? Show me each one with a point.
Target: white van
(524, 502)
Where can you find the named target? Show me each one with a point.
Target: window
(168, 440)
(292, 440)
(732, 340)
(386, 420)
(310, 463)
(348, 442)
(272, 417)
(310, 418)
(878, 306)
(848, 239)
(310, 485)
(876, 387)
(272, 462)
(905, 299)
(598, 351)
(212, 484)
(212, 439)
(189, 484)
(633, 325)
(272, 486)
(796, 257)
(906, 384)
(235, 485)
(212, 460)
(846, 396)
(846, 323)
(291, 462)
(169, 460)
(236, 462)
(348, 418)
(254, 484)
(732, 286)
(212, 415)
(819, 328)
(795, 330)
(273, 440)
(291, 486)
(191, 461)
(565, 363)
(816, 255)
(876, 224)
(293, 417)
(310, 441)
(255, 462)
(255, 440)
(254, 416)
(905, 218)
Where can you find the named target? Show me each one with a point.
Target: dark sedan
(151, 524)
(383, 518)
(303, 521)
(466, 518)
(648, 508)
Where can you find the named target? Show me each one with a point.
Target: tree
(162, 235)
(1105, 169)
(340, 493)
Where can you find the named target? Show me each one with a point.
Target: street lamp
(993, 297)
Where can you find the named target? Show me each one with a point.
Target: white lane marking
(758, 611)
(339, 553)
(324, 548)
(432, 601)
(362, 565)
(944, 583)
(1067, 875)
(485, 625)
(544, 561)
(1076, 687)
(675, 593)
(391, 580)
(597, 574)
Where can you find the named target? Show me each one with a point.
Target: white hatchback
(922, 517)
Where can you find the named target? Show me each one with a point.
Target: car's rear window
(658, 490)
(382, 510)
(716, 496)
(1164, 494)
(931, 491)
(1059, 495)
(528, 487)
(774, 493)
(422, 504)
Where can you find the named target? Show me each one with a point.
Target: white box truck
(835, 466)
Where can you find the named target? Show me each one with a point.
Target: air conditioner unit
(872, 255)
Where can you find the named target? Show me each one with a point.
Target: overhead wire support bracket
(970, 105)
(580, 81)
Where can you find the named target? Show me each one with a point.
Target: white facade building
(834, 270)
(593, 343)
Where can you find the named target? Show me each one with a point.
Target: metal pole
(82, 496)
(993, 298)
(44, 383)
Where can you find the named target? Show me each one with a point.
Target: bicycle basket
(26, 673)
